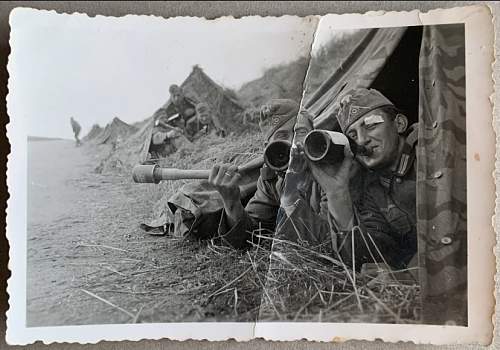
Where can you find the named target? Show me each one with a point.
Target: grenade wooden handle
(155, 174)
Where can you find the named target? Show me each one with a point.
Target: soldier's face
(377, 136)
(285, 133)
(175, 92)
(203, 114)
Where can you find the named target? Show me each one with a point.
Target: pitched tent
(115, 131)
(422, 70)
(201, 88)
(385, 59)
(93, 133)
(132, 148)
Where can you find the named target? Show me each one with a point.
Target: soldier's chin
(370, 162)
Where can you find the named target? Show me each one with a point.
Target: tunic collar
(406, 158)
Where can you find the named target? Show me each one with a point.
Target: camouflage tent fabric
(358, 70)
(441, 157)
(441, 179)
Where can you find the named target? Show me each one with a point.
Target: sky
(326, 31)
(95, 69)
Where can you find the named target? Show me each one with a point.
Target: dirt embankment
(89, 263)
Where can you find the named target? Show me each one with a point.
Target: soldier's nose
(362, 139)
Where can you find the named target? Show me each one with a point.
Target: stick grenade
(154, 173)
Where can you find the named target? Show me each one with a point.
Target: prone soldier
(185, 106)
(208, 120)
(378, 206)
(263, 211)
(376, 209)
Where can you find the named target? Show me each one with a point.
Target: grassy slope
(283, 81)
(224, 284)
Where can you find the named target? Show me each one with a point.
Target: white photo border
(481, 199)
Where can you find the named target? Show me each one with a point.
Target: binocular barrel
(277, 155)
(326, 146)
(155, 174)
(319, 145)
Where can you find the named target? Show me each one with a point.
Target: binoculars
(319, 146)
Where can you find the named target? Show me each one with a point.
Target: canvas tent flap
(442, 175)
(358, 70)
(143, 137)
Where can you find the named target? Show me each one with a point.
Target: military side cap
(358, 102)
(275, 113)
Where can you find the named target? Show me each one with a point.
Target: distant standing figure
(76, 130)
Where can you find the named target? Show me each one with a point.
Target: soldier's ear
(401, 123)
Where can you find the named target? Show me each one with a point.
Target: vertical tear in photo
(372, 225)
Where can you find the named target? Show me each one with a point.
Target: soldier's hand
(297, 159)
(334, 178)
(295, 176)
(225, 179)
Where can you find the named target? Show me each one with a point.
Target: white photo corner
(323, 178)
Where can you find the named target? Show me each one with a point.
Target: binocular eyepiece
(325, 146)
(319, 145)
(277, 155)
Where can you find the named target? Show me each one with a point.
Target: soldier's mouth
(365, 151)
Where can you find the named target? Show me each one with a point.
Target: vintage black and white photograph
(253, 171)
(365, 130)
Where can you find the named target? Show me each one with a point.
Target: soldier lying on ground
(380, 200)
(185, 106)
(208, 120)
(263, 210)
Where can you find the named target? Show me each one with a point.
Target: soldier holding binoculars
(368, 191)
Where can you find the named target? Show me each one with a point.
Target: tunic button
(434, 125)
(446, 240)
(438, 174)
(398, 180)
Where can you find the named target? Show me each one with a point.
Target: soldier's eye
(370, 126)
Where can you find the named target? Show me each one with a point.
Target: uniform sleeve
(373, 239)
(300, 223)
(260, 213)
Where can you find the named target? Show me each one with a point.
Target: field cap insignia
(275, 113)
(358, 102)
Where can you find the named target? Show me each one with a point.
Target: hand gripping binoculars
(319, 146)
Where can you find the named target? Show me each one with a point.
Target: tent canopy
(385, 59)
(422, 71)
(201, 88)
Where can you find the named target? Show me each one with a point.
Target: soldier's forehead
(373, 117)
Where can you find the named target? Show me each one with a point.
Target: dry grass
(307, 283)
(165, 279)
